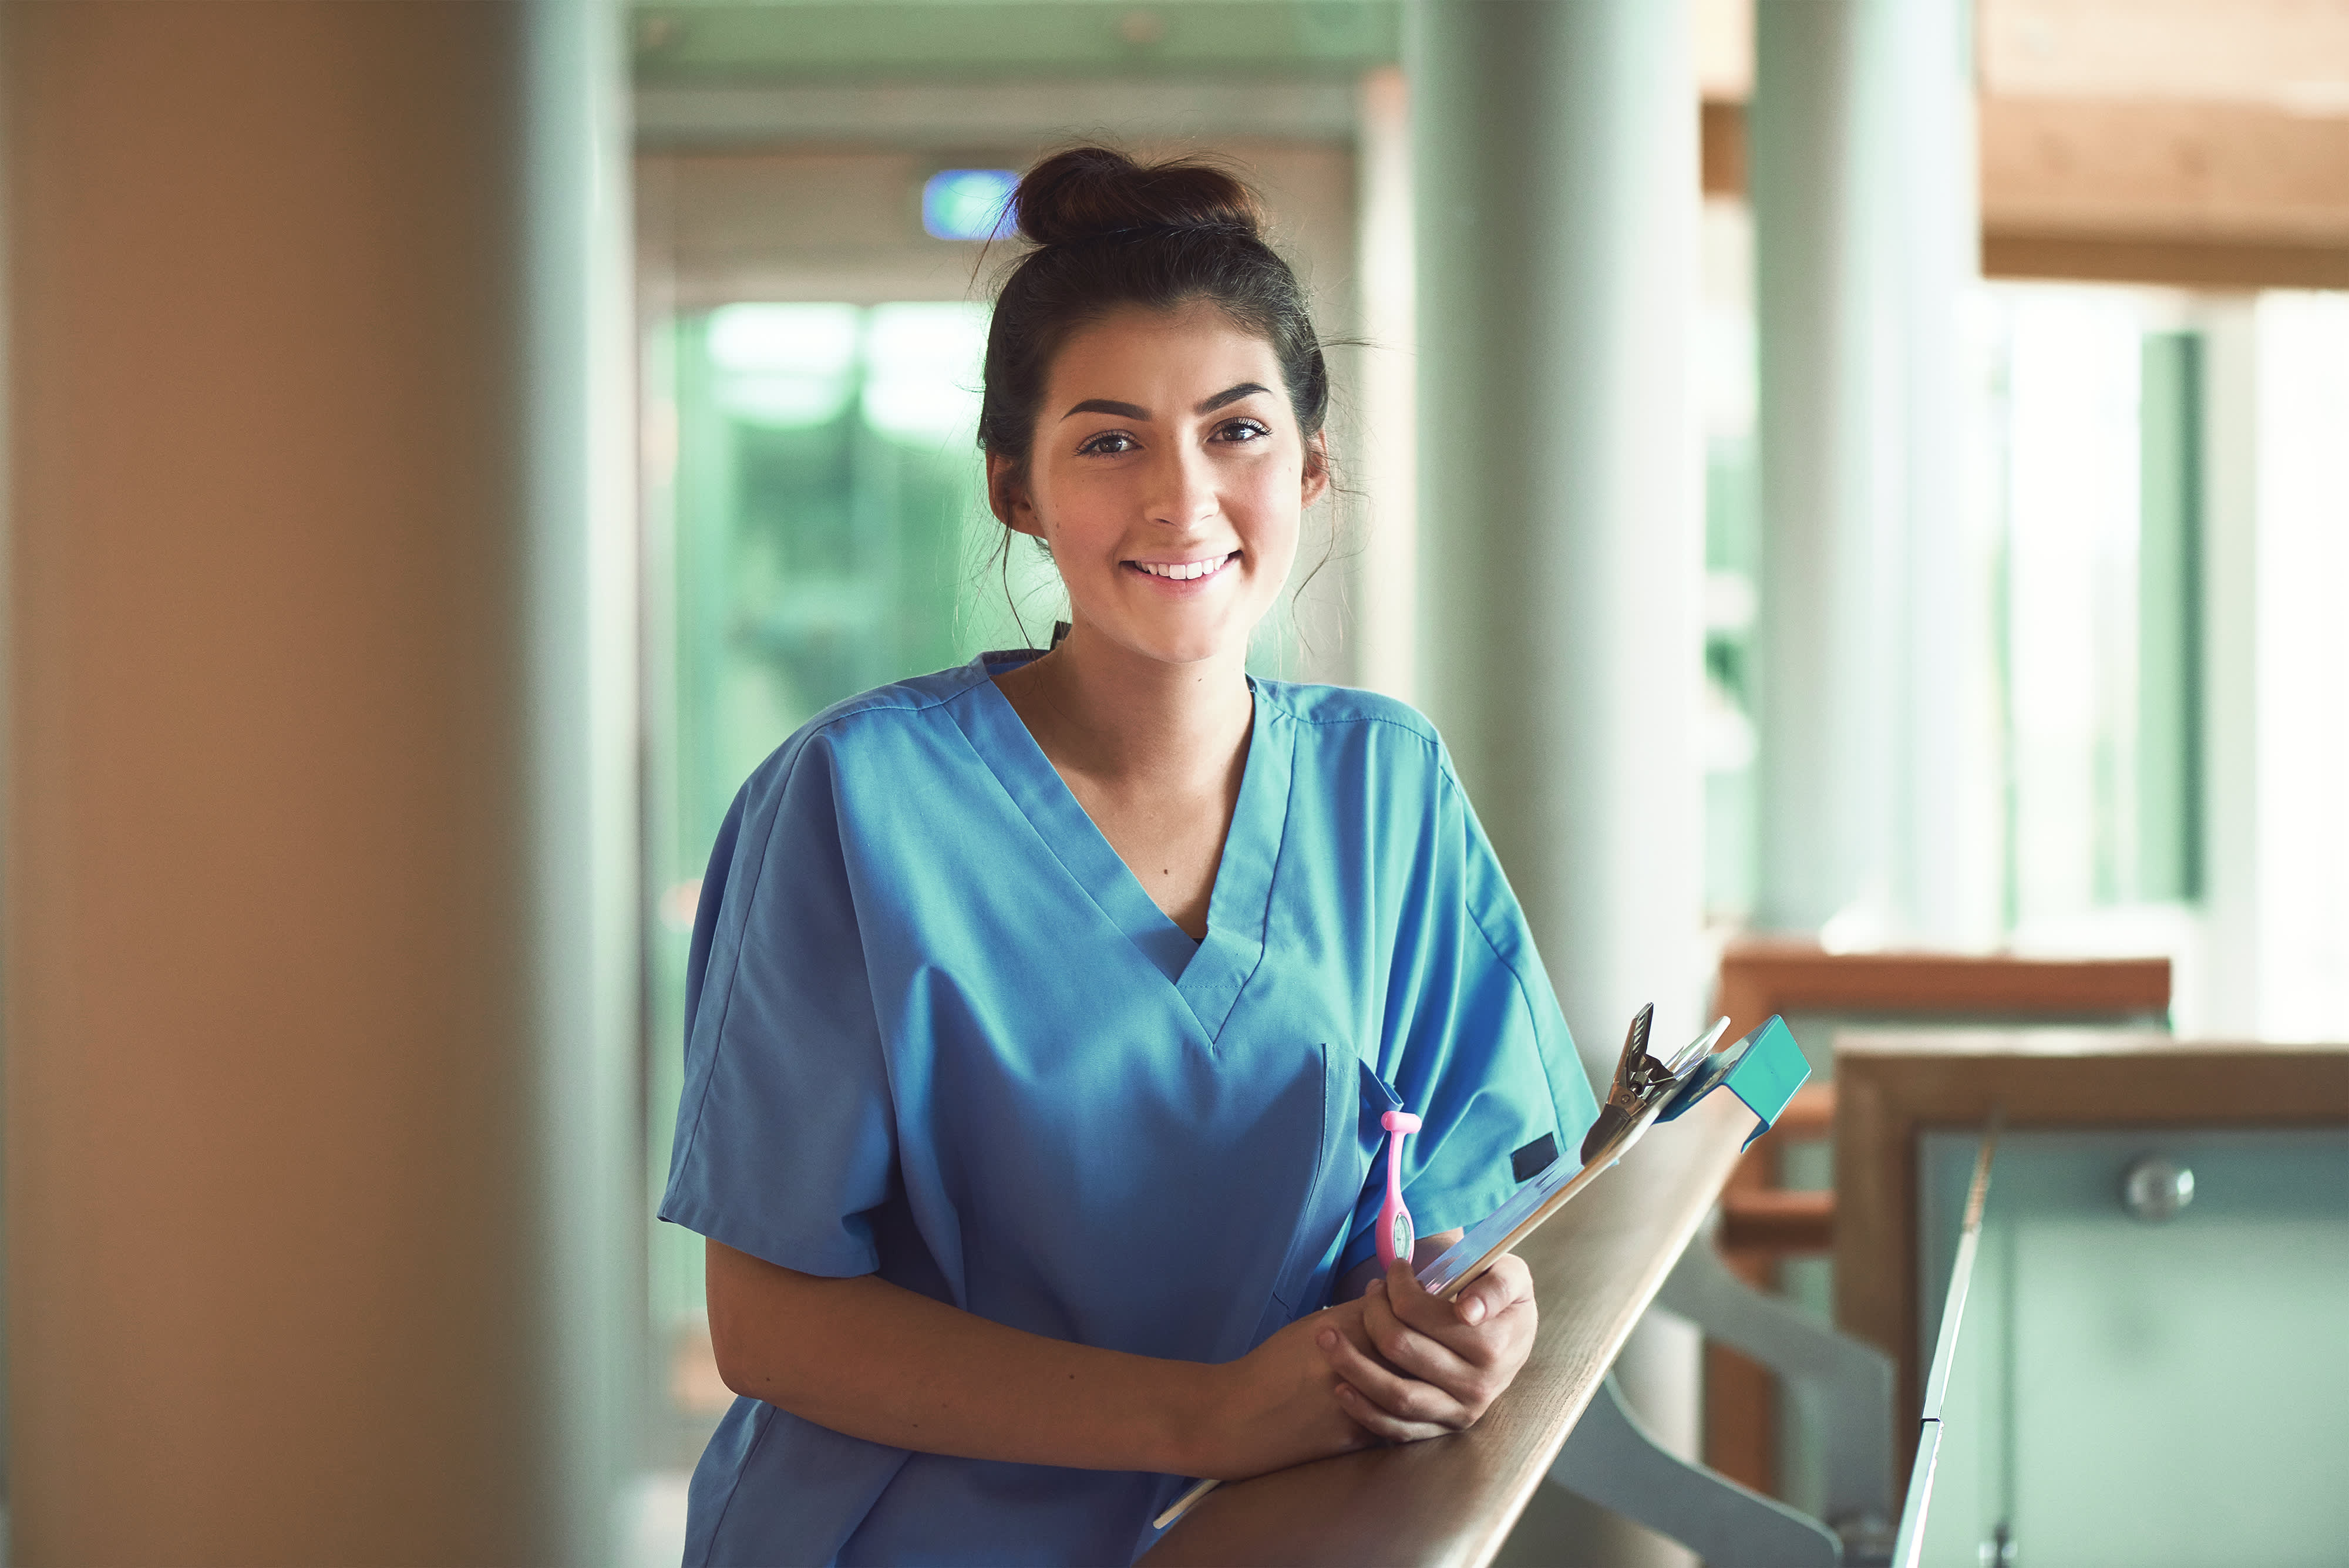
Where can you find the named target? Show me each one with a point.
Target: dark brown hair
(1109, 232)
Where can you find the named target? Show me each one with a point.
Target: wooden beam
(2186, 264)
(2206, 51)
(1721, 147)
(1776, 1221)
(2200, 195)
(2213, 172)
(1809, 1114)
(1760, 978)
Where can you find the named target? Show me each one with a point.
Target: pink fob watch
(1395, 1237)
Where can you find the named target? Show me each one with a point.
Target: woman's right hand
(1278, 1405)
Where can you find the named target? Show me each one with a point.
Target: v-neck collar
(1209, 974)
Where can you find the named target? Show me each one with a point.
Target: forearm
(878, 1361)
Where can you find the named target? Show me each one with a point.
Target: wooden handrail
(1760, 1223)
(1896, 1084)
(1451, 1502)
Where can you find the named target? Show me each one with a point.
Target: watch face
(1403, 1237)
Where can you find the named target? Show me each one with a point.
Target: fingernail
(1378, 1285)
(1329, 1337)
(1346, 1392)
(1473, 1312)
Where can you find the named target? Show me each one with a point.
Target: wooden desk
(1452, 1501)
(1892, 1086)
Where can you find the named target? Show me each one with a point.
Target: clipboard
(1763, 1070)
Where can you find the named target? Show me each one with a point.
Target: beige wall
(266, 1137)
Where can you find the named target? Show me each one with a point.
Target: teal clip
(1763, 1070)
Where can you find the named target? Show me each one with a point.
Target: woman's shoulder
(885, 727)
(1385, 731)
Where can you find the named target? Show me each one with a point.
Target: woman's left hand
(1416, 1366)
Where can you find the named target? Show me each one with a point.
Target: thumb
(1487, 1298)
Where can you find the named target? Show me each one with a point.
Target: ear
(1317, 467)
(1008, 497)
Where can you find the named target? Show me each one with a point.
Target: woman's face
(1168, 476)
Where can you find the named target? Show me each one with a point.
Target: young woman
(1042, 1013)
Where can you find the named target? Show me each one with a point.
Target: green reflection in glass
(826, 532)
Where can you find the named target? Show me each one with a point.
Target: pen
(1181, 1505)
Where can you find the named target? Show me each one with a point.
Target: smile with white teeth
(1185, 571)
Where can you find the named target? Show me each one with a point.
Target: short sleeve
(1484, 1058)
(785, 1140)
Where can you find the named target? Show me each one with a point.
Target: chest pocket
(1354, 1099)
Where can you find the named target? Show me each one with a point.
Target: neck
(1114, 714)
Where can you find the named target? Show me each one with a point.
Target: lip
(1182, 584)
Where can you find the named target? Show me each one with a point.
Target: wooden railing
(1452, 1501)
(1762, 1222)
(1896, 1086)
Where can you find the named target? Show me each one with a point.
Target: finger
(1414, 1354)
(1378, 1423)
(1506, 1284)
(1414, 1304)
(1474, 1346)
(1405, 1398)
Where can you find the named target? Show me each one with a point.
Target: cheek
(1077, 509)
(1275, 515)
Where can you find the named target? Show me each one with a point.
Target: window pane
(827, 533)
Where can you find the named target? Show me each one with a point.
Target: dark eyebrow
(1131, 411)
(1230, 395)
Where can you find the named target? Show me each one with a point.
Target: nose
(1182, 491)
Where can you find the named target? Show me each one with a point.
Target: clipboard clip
(1642, 1083)
(1763, 1070)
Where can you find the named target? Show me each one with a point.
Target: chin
(1184, 652)
(1169, 646)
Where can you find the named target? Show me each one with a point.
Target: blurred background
(1849, 478)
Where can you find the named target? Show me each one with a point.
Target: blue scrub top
(936, 1030)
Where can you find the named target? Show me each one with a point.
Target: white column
(1820, 669)
(1944, 855)
(1386, 572)
(1555, 182)
(1878, 806)
(580, 660)
(1555, 179)
(2219, 981)
(2300, 695)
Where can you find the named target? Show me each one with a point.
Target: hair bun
(1088, 192)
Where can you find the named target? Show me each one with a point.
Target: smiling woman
(1171, 510)
(1042, 1014)
(1195, 473)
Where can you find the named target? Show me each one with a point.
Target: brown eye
(1109, 443)
(1242, 430)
